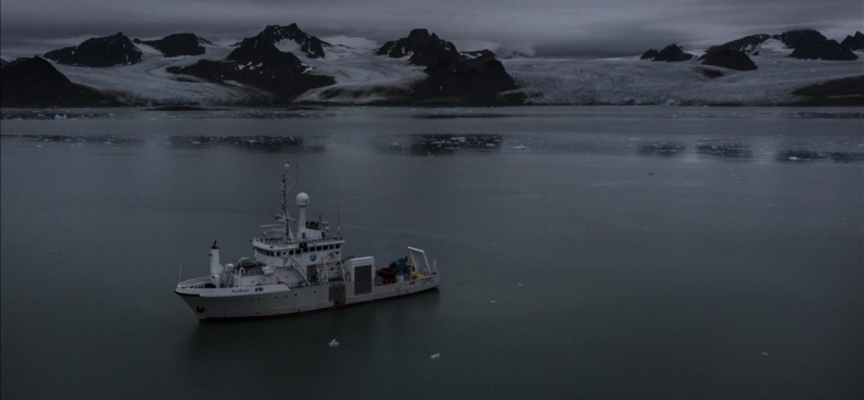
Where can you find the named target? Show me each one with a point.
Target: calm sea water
(596, 253)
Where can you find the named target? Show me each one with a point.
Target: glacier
(364, 78)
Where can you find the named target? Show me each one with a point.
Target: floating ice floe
(435, 356)
(334, 343)
(493, 301)
(520, 284)
(519, 147)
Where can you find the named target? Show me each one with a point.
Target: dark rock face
(728, 58)
(475, 77)
(793, 39)
(670, 53)
(826, 50)
(711, 73)
(425, 49)
(812, 45)
(105, 51)
(309, 45)
(748, 44)
(853, 86)
(838, 92)
(651, 54)
(178, 44)
(673, 53)
(257, 62)
(854, 43)
(34, 82)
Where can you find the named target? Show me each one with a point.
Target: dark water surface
(664, 253)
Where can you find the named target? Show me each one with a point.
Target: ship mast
(287, 183)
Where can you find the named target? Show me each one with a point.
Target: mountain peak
(425, 49)
(794, 38)
(670, 53)
(854, 42)
(418, 34)
(178, 44)
(747, 44)
(310, 45)
(107, 51)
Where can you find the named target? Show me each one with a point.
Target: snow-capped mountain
(258, 63)
(291, 38)
(805, 44)
(473, 77)
(283, 64)
(748, 44)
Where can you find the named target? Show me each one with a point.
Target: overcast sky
(549, 27)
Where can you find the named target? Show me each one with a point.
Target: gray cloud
(552, 27)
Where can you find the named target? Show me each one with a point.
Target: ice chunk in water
(334, 343)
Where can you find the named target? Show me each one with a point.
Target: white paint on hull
(273, 300)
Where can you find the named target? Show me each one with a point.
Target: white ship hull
(274, 300)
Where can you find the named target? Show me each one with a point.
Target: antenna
(287, 183)
(338, 220)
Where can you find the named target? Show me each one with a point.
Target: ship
(297, 266)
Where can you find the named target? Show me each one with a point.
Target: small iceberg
(334, 343)
(435, 356)
(519, 147)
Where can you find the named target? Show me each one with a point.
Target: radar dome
(302, 200)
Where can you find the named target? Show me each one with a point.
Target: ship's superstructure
(300, 269)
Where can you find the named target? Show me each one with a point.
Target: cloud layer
(550, 27)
